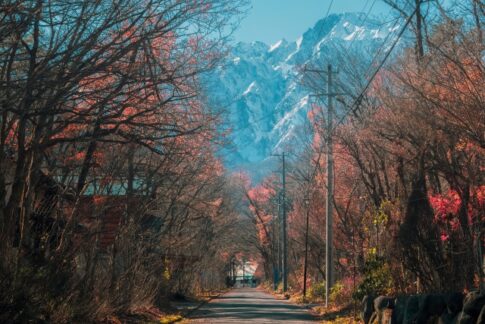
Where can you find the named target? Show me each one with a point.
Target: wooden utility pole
(419, 32)
(329, 202)
(285, 233)
(305, 266)
(243, 272)
(329, 277)
(275, 247)
(280, 240)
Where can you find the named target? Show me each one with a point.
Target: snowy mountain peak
(253, 49)
(261, 87)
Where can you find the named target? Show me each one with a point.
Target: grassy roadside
(343, 313)
(174, 312)
(202, 299)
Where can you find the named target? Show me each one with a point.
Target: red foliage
(445, 205)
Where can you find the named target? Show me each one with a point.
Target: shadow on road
(250, 305)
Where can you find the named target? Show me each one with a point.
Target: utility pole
(285, 234)
(305, 266)
(419, 32)
(280, 240)
(329, 202)
(234, 273)
(243, 272)
(275, 248)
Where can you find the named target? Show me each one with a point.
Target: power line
(326, 15)
(329, 8)
(271, 114)
(376, 56)
(378, 53)
(320, 29)
(356, 105)
(374, 59)
(381, 47)
(330, 127)
(362, 22)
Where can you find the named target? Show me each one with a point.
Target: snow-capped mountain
(261, 88)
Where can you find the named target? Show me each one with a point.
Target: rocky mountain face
(261, 89)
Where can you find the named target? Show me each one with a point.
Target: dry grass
(336, 314)
(168, 319)
(343, 320)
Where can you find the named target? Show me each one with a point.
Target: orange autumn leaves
(131, 102)
(259, 204)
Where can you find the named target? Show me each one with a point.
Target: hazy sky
(271, 20)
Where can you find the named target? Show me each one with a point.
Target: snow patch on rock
(275, 45)
(249, 88)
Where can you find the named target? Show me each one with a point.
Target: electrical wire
(240, 129)
(362, 22)
(356, 105)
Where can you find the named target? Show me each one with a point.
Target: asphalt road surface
(250, 305)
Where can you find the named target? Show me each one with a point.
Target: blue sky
(271, 20)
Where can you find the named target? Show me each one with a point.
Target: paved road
(250, 305)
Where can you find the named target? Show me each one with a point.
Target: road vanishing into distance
(250, 305)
